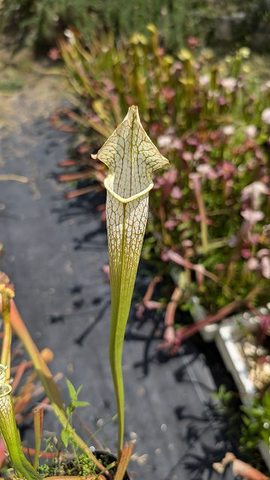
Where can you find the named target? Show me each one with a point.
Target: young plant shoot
(8, 427)
(131, 158)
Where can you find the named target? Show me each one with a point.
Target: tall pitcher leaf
(131, 158)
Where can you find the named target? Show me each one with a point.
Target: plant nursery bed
(54, 252)
(242, 358)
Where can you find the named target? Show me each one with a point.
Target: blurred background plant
(256, 422)
(39, 23)
(208, 227)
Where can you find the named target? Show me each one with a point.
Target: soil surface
(54, 252)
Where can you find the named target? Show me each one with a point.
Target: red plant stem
(22, 418)
(80, 191)
(7, 338)
(246, 471)
(68, 163)
(22, 332)
(71, 177)
(240, 468)
(124, 461)
(32, 451)
(147, 301)
(19, 373)
(151, 288)
(25, 365)
(169, 334)
(38, 431)
(58, 123)
(188, 331)
(183, 262)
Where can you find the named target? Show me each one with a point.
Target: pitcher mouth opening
(108, 183)
(5, 390)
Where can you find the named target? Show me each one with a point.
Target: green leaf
(81, 403)
(79, 390)
(65, 437)
(72, 391)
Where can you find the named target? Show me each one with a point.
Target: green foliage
(66, 433)
(246, 425)
(80, 465)
(41, 22)
(256, 420)
(210, 118)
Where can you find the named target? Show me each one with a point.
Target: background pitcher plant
(131, 158)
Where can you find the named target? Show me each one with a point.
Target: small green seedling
(71, 407)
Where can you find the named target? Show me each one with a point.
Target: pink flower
(187, 156)
(169, 140)
(187, 243)
(204, 80)
(265, 266)
(229, 84)
(246, 253)
(177, 67)
(264, 256)
(176, 193)
(228, 130)
(193, 41)
(251, 131)
(265, 86)
(226, 170)
(253, 192)
(171, 224)
(185, 216)
(164, 141)
(222, 101)
(167, 93)
(167, 181)
(207, 171)
(54, 54)
(252, 216)
(266, 116)
(176, 144)
(252, 263)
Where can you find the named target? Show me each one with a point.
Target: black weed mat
(54, 253)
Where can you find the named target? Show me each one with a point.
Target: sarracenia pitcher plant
(8, 427)
(131, 158)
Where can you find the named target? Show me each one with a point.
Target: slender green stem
(202, 212)
(6, 346)
(10, 434)
(38, 427)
